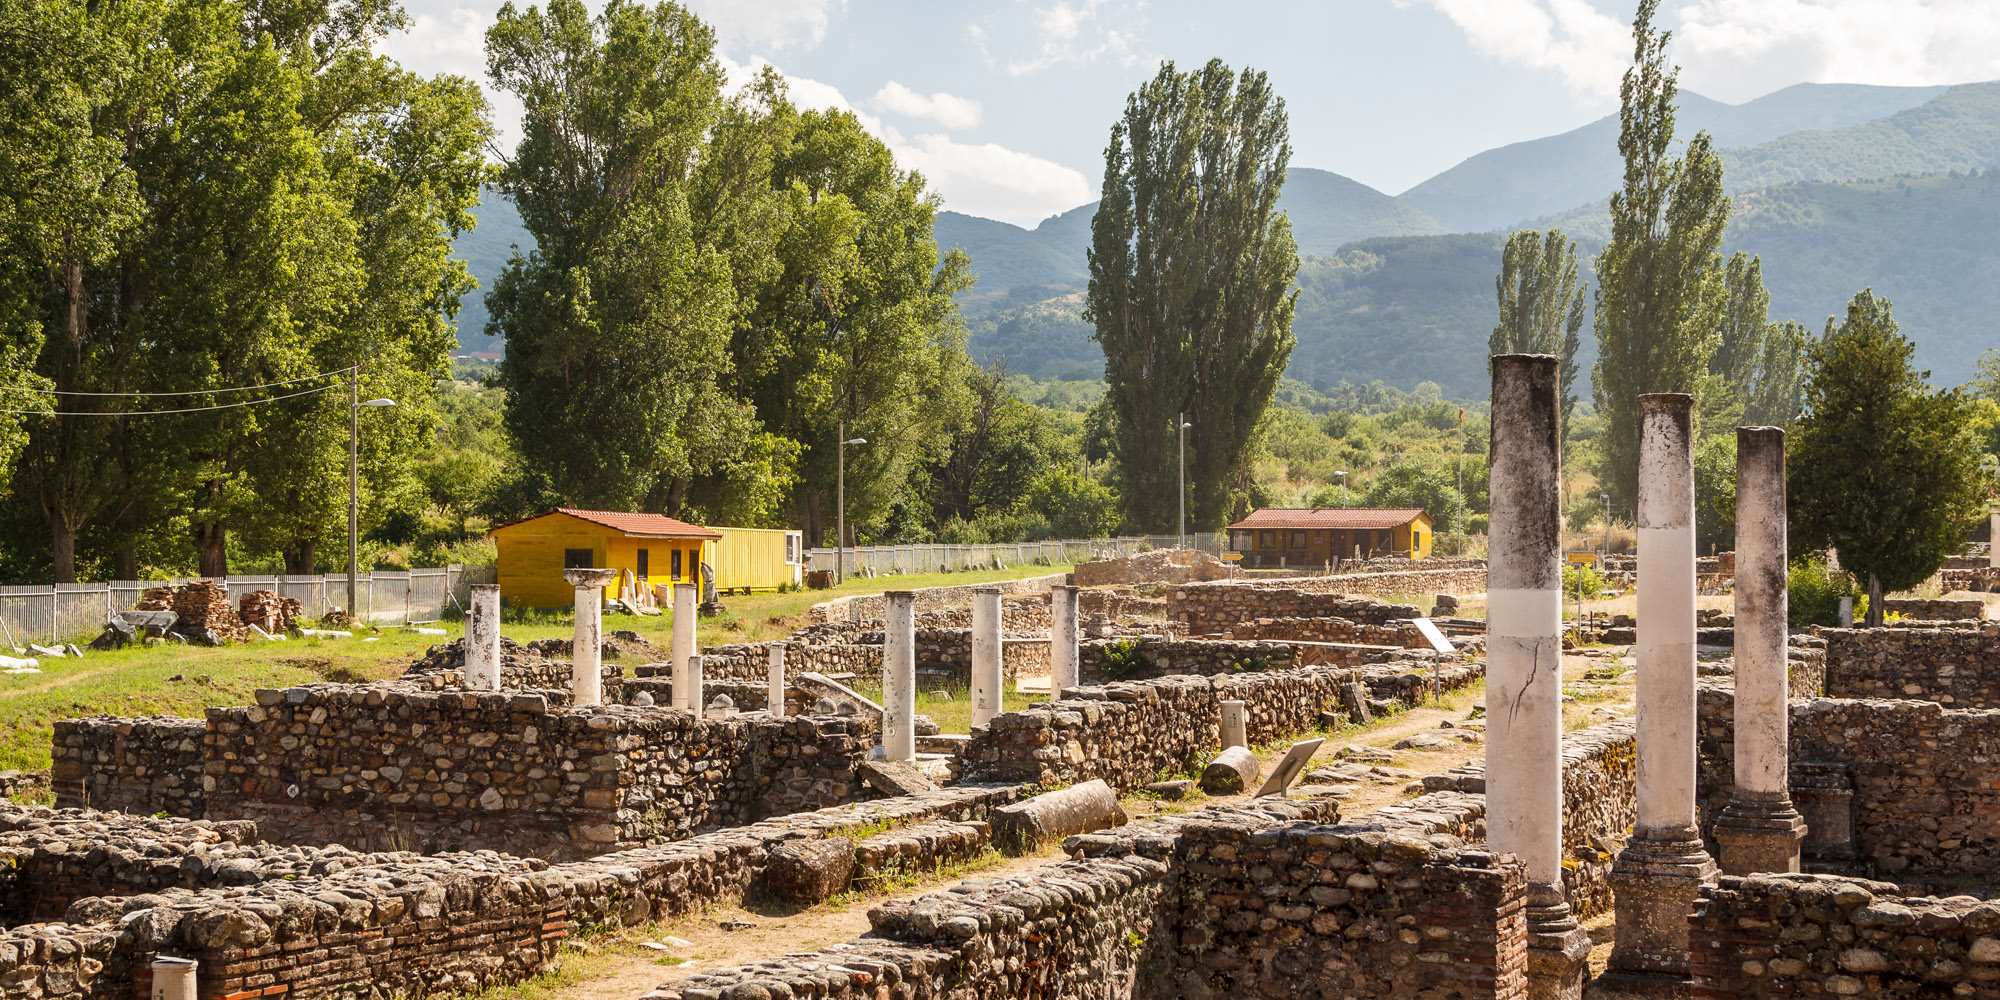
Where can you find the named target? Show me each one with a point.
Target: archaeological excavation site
(1411, 780)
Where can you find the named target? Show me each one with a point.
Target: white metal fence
(61, 612)
(880, 559)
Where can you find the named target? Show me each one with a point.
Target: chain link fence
(885, 559)
(71, 611)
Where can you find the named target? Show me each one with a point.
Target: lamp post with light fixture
(354, 405)
(840, 502)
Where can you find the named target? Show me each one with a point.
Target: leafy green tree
(1985, 381)
(1075, 507)
(1412, 485)
(1715, 493)
(1541, 304)
(1778, 390)
(1882, 467)
(997, 450)
(1660, 291)
(1191, 268)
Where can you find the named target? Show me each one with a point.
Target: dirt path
(775, 932)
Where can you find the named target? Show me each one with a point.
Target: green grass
(953, 714)
(134, 681)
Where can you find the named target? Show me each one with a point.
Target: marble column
(694, 693)
(1760, 831)
(1524, 806)
(1063, 653)
(587, 645)
(899, 675)
(1993, 536)
(987, 674)
(1662, 869)
(774, 699)
(175, 979)
(482, 638)
(683, 645)
(1235, 728)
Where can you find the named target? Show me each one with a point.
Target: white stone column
(988, 677)
(174, 978)
(1063, 652)
(1760, 831)
(774, 698)
(586, 648)
(694, 693)
(1663, 867)
(683, 646)
(1524, 663)
(482, 638)
(899, 675)
(1235, 725)
(1993, 536)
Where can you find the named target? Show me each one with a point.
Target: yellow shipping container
(755, 558)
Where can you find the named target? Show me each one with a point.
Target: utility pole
(840, 501)
(1181, 427)
(354, 405)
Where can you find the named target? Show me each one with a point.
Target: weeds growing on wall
(1124, 660)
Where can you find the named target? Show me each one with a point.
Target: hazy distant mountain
(485, 251)
(1503, 187)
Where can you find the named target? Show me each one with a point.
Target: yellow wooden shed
(1295, 536)
(755, 558)
(654, 547)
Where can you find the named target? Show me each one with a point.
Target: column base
(1558, 947)
(1639, 986)
(1759, 832)
(1656, 880)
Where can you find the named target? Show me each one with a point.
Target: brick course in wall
(1953, 666)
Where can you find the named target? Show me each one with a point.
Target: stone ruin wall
(141, 766)
(328, 921)
(1935, 609)
(1341, 630)
(1259, 899)
(865, 606)
(1763, 937)
(1924, 800)
(1130, 732)
(1959, 667)
(1216, 608)
(368, 765)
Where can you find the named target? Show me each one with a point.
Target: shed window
(1298, 539)
(677, 564)
(576, 558)
(791, 550)
(642, 564)
(1267, 539)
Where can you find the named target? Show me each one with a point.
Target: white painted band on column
(1665, 695)
(987, 670)
(899, 676)
(683, 646)
(1526, 717)
(1993, 536)
(775, 697)
(1524, 613)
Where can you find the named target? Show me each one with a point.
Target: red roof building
(1320, 536)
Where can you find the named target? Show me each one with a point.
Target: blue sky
(1005, 105)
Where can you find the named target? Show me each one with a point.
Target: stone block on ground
(1171, 790)
(1026, 825)
(810, 871)
(1230, 772)
(895, 777)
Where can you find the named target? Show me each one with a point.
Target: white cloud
(1587, 48)
(1738, 49)
(983, 179)
(948, 110)
(772, 24)
(1076, 33)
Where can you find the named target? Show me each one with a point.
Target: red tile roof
(1331, 518)
(637, 525)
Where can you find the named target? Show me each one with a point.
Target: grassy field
(141, 681)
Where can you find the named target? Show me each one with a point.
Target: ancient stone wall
(1215, 608)
(406, 769)
(1120, 605)
(1935, 609)
(1329, 630)
(1923, 794)
(1955, 667)
(1770, 936)
(130, 765)
(1102, 661)
(865, 606)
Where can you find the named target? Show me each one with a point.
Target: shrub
(1123, 659)
(1585, 576)
(1813, 593)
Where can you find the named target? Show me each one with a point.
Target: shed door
(642, 564)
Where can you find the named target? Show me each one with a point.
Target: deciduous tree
(1541, 304)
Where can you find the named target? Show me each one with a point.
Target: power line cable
(194, 392)
(151, 413)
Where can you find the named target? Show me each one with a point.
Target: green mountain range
(1836, 187)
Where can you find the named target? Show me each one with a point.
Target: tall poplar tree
(1541, 304)
(1191, 268)
(1660, 290)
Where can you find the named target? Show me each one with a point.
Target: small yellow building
(534, 552)
(1299, 536)
(755, 558)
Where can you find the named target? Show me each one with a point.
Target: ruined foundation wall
(1215, 608)
(1955, 667)
(130, 765)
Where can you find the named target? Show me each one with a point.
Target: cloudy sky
(1005, 105)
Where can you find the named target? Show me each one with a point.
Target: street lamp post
(1605, 499)
(1181, 420)
(354, 405)
(1342, 476)
(840, 502)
